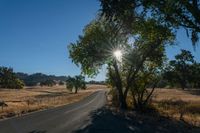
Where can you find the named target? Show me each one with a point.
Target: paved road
(63, 119)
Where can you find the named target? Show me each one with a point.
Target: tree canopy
(173, 13)
(48, 82)
(8, 79)
(101, 39)
(76, 82)
(184, 70)
(129, 38)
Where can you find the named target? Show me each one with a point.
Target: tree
(195, 75)
(180, 69)
(61, 83)
(172, 13)
(184, 71)
(8, 79)
(77, 82)
(18, 84)
(178, 13)
(95, 48)
(103, 41)
(48, 82)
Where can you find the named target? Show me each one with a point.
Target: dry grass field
(37, 98)
(179, 104)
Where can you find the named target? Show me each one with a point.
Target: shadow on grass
(193, 92)
(187, 107)
(107, 121)
(37, 131)
(51, 94)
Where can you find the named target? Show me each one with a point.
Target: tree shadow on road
(106, 120)
(37, 131)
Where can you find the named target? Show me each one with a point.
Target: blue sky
(34, 34)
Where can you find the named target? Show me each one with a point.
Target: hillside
(33, 79)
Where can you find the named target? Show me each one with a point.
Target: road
(64, 119)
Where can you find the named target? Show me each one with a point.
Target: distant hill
(33, 79)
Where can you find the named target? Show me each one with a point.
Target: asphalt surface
(64, 119)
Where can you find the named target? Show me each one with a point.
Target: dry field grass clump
(178, 104)
(37, 98)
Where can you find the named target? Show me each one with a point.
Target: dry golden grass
(175, 94)
(178, 104)
(37, 98)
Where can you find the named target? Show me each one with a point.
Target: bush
(77, 82)
(61, 83)
(19, 84)
(8, 79)
(48, 83)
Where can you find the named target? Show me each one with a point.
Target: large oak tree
(142, 52)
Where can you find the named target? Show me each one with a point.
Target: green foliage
(18, 84)
(183, 70)
(147, 77)
(185, 57)
(147, 19)
(94, 48)
(96, 82)
(195, 75)
(8, 79)
(61, 83)
(77, 82)
(141, 59)
(48, 82)
(172, 13)
(177, 13)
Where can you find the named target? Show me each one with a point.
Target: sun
(118, 55)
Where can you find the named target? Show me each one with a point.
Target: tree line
(12, 80)
(183, 72)
(34, 79)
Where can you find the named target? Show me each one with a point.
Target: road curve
(64, 119)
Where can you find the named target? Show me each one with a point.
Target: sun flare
(118, 55)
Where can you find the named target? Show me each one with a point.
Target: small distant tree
(179, 70)
(19, 84)
(77, 82)
(194, 78)
(61, 83)
(8, 79)
(48, 82)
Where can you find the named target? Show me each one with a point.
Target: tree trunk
(123, 104)
(76, 90)
(119, 86)
(122, 99)
(182, 85)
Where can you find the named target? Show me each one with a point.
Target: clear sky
(34, 34)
